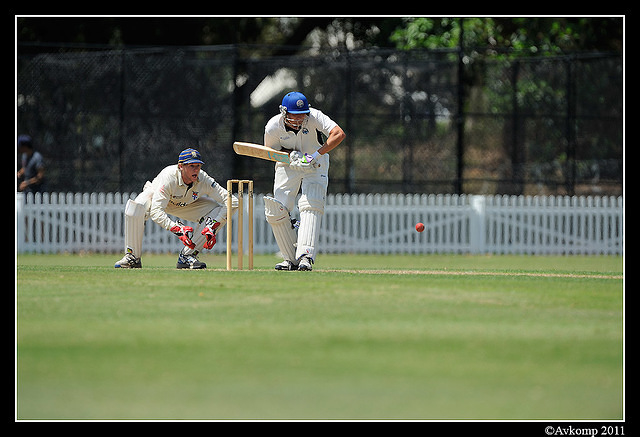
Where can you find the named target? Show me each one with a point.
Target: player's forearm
(162, 219)
(37, 179)
(158, 215)
(336, 136)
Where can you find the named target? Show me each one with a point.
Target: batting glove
(311, 159)
(302, 161)
(184, 234)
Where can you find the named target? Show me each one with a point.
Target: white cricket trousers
(288, 182)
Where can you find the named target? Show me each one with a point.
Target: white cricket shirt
(170, 191)
(306, 140)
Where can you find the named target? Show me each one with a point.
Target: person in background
(32, 170)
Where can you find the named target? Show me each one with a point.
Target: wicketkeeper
(299, 130)
(183, 190)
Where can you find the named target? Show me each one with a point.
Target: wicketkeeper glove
(184, 233)
(210, 233)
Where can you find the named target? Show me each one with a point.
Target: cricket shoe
(305, 263)
(129, 261)
(189, 262)
(286, 265)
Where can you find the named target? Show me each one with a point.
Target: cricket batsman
(299, 130)
(185, 191)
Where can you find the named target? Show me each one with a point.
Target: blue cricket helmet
(295, 103)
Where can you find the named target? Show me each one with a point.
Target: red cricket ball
(420, 227)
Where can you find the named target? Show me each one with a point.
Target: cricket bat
(262, 152)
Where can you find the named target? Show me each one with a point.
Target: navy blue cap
(190, 156)
(24, 139)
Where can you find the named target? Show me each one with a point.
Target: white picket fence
(361, 223)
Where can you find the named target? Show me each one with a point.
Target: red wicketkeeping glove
(184, 234)
(210, 233)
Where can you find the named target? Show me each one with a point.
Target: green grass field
(361, 337)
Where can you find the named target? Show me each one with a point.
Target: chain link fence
(416, 121)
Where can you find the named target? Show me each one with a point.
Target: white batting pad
(279, 219)
(308, 233)
(133, 227)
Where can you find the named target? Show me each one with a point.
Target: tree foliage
(524, 36)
